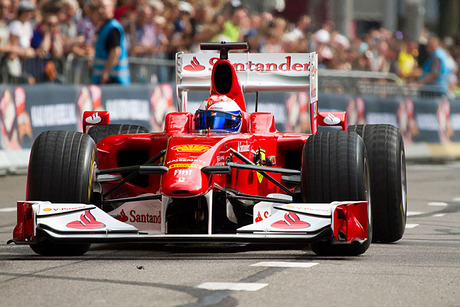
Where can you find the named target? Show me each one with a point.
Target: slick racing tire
(100, 132)
(387, 168)
(334, 168)
(62, 169)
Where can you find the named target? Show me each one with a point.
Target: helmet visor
(218, 120)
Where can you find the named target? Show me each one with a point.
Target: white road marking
(234, 286)
(412, 213)
(437, 203)
(279, 264)
(9, 209)
(439, 215)
(408, 226)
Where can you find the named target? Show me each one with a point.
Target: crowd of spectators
(54, 29)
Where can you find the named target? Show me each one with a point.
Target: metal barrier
(150, 70)
(143, 70)
(77, 70)
(374, 83)
(32, 70)
(356, 82)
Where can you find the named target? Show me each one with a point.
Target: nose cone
(185, 181)
(184, 162)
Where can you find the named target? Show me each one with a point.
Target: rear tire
(334, 168)
(62, 169)
(387, 167)
(100, 132)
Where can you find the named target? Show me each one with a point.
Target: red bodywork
(189, 151)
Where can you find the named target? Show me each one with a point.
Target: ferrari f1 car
(221, 174)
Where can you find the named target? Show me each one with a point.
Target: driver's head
(218, 113)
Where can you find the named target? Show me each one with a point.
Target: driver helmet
(218, 113)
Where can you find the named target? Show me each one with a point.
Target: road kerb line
(279, 264)
(8, 209)
(234, 286)
(437, 204)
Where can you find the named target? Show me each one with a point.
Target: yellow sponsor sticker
(187, 165)
(191, 148)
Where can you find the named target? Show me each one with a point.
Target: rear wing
(257, 72)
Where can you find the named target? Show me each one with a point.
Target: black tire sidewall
(387, 166)
(334, 168)
(62, 169)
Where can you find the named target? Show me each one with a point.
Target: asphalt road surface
(422, 269)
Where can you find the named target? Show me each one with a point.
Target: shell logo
(191, 148)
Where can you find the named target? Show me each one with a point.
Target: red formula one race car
(221, 174)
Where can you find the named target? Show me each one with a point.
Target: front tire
(334, 168)
(62, 169)
(387, 166)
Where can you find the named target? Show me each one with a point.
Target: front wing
(340, 222)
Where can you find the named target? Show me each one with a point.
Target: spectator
(123, 7)
(144, 42)
(21, 29)
(179, 29)
(320, 43)
(379, 61)
(295, 39)
(21, 32)
(234, 28)
(13, 10)
(5, 7)
(47, 40)
(206, 25)
(322, 36)
(184, 23)
(86, 33)
(435, 70)
(407, 63)
(48, 45)
(274, 36)
(255, 22)
(111, 59)
(203, 19)
(67, 16)
(451, 63)
(162, 45)
(128, 21)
